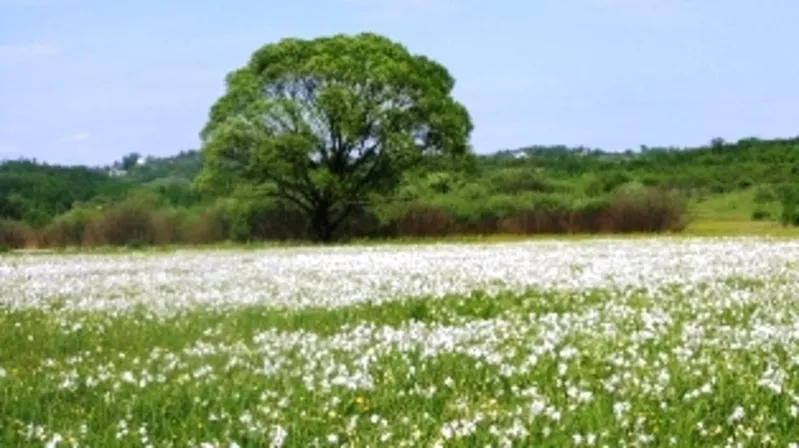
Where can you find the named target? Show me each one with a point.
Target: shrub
(131, 222)
(649, 210)
(615, 179)
(593, 184)
(13, 235)
(744, 183)
(760, 215)
(520, 180)
(718, 188)
(765, 194)
(502, 206)
(789, 199)
(460, 207)
(265, 220)
(67, 229)
(552, 203)
(789, 218)
(210, 225)
(629, 187)
(789, 215)
(423, 220)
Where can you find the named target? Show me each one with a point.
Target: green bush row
(140, 221)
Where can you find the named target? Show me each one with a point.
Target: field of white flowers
(651, 342)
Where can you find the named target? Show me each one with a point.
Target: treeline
(35, 193)
(714, 168)
(526, 191)
(139, 220)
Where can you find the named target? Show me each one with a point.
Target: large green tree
(327, 123)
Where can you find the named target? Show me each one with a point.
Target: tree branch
(356, 190)
(283, 188)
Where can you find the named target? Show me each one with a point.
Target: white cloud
(76, 137)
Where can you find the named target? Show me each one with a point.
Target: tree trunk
(322, 224)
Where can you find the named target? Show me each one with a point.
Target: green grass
(735, 206)
(494, 363)
(730, 214)
(741, 228)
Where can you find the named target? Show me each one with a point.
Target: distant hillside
(720, 166)
(36, 192)
(181, 168)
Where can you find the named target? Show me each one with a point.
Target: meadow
(690, 341)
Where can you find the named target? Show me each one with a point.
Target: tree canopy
(326, 123)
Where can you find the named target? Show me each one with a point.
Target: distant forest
(539, 189)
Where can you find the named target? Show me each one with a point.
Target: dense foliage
(34, 192)
(529, 190)
(718, 167)
(323, 124)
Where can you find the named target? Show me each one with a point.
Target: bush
(649, 210)
(593, 185)
(629, 187)
(211, 225)
(13, 235)
(132, 222)
(789, 199)
(718, 188)
(519, 181)
(67, 229)
(765, 194)
(502, 206)
(789, 218)
(744, 183)
(251, 220)
(421, 220)
(555, 204)
(616, 179)
(790, 215)
(760, 215)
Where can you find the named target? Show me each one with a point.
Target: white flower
(737, 414)
(278, 437)
(54, 440)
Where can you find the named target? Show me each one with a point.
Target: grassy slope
(731, 214)
(734, 206)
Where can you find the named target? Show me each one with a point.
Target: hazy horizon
(86, 82)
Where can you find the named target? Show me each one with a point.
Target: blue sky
(87, 81)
